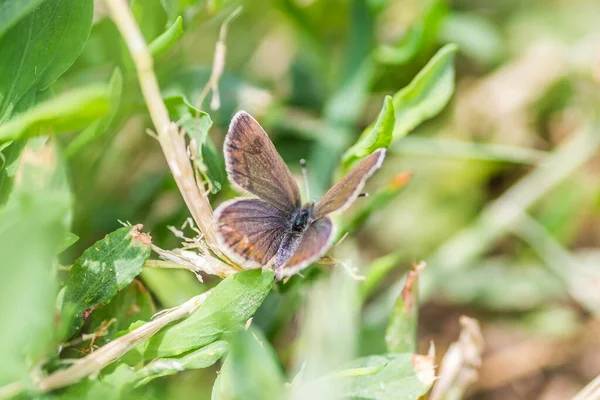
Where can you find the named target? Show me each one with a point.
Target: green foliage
(168, 38)
(40, 48)
(401, 333)
(100, 126)
(11, 11)
(201, 358)
(387, 377)
(101, 271)
(427, 93)
(419, 38)
(379, 136)
(230, 304)
(32, 227)
(196, 125)
(241, 379)
(70, 111)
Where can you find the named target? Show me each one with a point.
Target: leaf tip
(142, 237)
(409, 291)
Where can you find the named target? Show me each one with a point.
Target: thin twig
(218, 65)
(171, 142)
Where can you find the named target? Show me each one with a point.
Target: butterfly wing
(251, 229)
(343, 193)
(316, 240)
(254, 165)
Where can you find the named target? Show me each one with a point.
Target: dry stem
(114, 350)
(171, 142)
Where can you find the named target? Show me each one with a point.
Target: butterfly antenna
(305, 177)
(363, 195)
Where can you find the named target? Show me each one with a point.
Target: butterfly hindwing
(253, 164)
(251, 229)
(315, 242)
(344, 192)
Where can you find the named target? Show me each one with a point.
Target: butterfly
(276, 227)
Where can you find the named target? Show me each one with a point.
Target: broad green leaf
(419, 38)
(168, 38)
(67, 112)
(379, 136)
(100, 126)
(101, 271)
(427, 93)
(32, 226)
(202, 358)
(196, 125)
(401, 334)
(11, 12)
(231, 303)
(251, 370)
(131, 304)
(40, 48)
(389, 377)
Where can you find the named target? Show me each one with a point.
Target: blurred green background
(503, 203)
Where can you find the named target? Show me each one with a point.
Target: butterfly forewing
(315, 243)
(343, 193)
(251, 229)
(254, 165)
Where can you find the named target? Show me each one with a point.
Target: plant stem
(590, 392)
(114, 350)
(169, 137)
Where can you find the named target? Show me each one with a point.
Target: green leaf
(204, 357)
(131, 304)
(419, 38)
(388, 377)
(231, 303)
(40, 48)
(401, 334)
(67, 112)
(427, 93)
(32, 226)
(100, 126)
(69, 240)
(196, 125)
(12, 11)
(373, 138)
(168, 38)
(101, 271)
(241, 379)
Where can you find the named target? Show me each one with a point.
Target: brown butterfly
(276, 226)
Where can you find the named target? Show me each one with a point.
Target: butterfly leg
(286, 250)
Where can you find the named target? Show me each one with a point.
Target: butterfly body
(275, 227)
